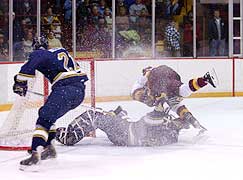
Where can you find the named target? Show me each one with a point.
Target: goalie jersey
(59, 62)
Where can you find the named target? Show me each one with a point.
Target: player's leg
(55, 107)
(194, 85)
(186, 117)
(87, 122)
(50, 151)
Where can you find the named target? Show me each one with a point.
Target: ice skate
(192, 120)
(211, 78)
(49, 153)
(181, 124)
(30, 164)
(118, 110)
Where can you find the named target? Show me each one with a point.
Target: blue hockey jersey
(54, 64)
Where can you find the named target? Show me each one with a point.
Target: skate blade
(32, 168)
(200, 138)
(214, 77)
(201, 132)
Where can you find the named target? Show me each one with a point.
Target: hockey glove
(20, 87)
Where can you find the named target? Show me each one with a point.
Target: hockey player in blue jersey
(68, 91)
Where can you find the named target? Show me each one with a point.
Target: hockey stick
(36, 93)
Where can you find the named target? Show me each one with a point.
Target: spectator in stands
(172, 39)
(172, 7)
(53, 42)
(144, 28)
(17, 30)
(50, 17)
(122, 24)
(83, 13)
(27, 43)
(102, 6)
(95, 15)
(188, 38)
(57, 4)
(137, 10)
(68, 11)
(18, 51)
(108, 18)
(122, 20)
(94, 2)
(217, 35)
(188, 35)
(3, 49)
(127, 3)
(104, 39)
(87, 39)
(26, 10)
(127, 38)
(56, 29)
(27, 7)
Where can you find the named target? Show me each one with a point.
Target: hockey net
(17, 129)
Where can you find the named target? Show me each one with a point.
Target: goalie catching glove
(20, 87)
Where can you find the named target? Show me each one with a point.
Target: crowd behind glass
(173, 35)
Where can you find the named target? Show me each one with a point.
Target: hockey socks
(51, 135)
(39, 138)
(196, 84)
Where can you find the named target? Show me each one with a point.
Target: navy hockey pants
(61, 100)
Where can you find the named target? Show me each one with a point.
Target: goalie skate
(211, 78)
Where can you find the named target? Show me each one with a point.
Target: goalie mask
(40, 43)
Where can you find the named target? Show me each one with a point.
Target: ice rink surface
(217, 155)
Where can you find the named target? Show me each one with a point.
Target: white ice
(218, 155)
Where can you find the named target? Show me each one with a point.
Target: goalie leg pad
(69, 136)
